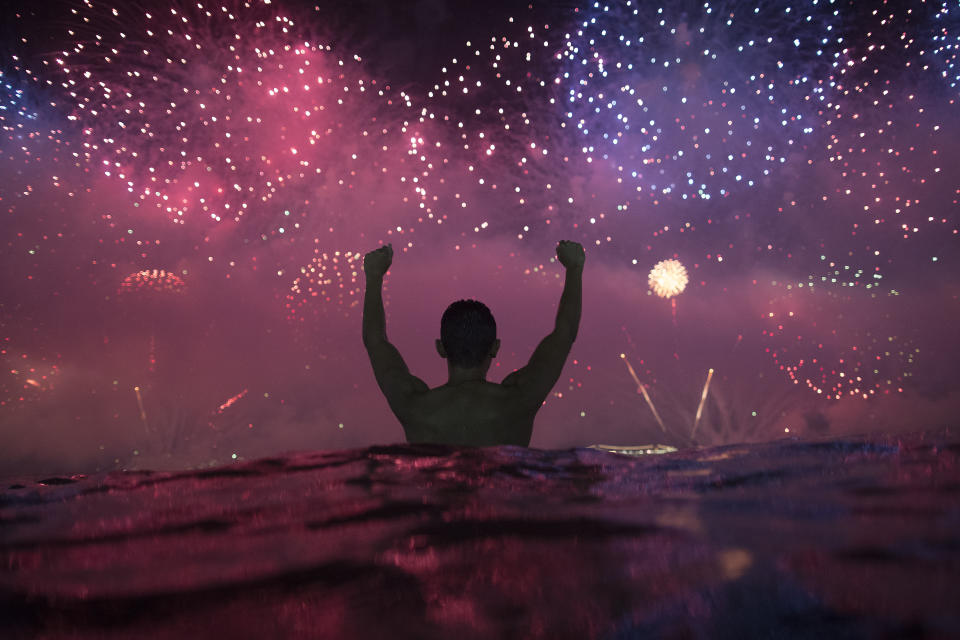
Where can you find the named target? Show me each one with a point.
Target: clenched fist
(378, 261)
(570, 254)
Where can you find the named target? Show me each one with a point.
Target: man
(469, 410)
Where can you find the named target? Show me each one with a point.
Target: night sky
(187, 193)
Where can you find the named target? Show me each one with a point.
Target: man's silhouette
(469, 410)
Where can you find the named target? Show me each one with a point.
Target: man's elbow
(372, 338)
(566, 332)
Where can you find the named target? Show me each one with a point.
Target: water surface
(842, 538)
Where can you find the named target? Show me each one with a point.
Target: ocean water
(856, 537)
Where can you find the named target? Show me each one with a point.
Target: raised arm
(572, 257)
(375, 266)
(535, 380)
(391, 371)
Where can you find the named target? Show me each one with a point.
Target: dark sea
(844, 538)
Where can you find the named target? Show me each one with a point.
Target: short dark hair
(467, 332)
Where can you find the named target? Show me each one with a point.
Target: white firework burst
(668, 278)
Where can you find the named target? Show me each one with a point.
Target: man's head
(468, 334)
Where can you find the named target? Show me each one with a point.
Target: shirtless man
(468, 409)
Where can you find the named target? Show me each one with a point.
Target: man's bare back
(478, 413)
(469, 410)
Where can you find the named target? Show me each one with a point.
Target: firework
(236, 117)
(703, 400)
(668, 278)
(143, 411)
(882, 128)
(24, 378)
(152, 280)
(149, 291)
(693, 99)
(642, 388)
(330, 280)
(834, 340)
(946, 40)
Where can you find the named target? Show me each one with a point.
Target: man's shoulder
(513, 379)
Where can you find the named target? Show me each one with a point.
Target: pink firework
(234, 115)
(331, 281)
(155, 280)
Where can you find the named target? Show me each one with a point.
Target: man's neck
(457, 376)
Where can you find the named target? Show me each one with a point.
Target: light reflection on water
(849, 537)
